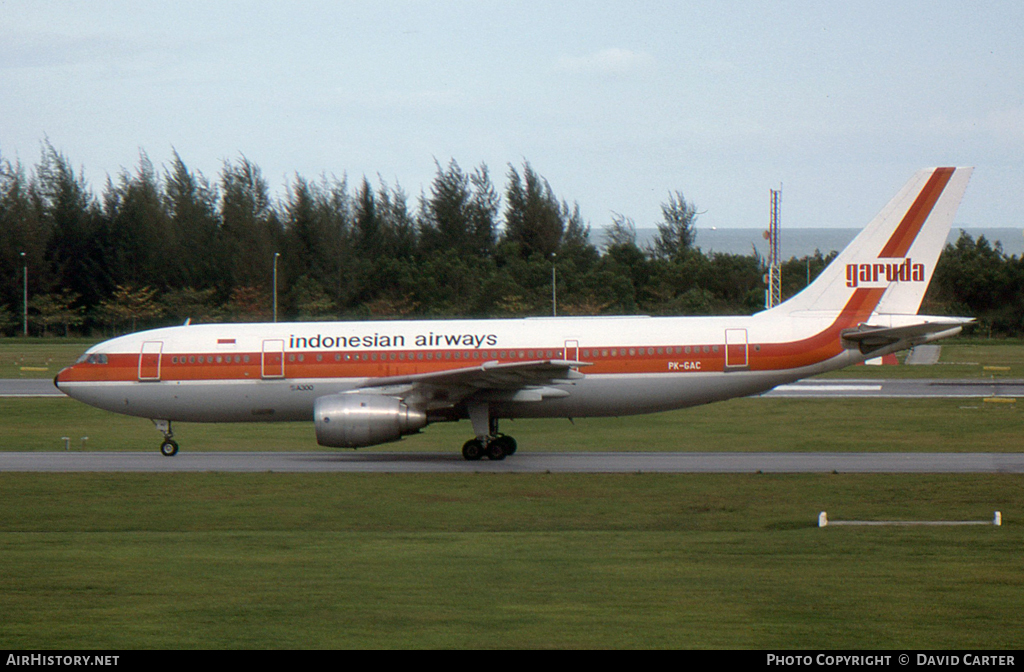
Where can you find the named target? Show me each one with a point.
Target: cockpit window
(92, 359)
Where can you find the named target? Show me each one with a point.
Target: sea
(803, 242)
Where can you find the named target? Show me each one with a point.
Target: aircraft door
(149, 361)
(735, 349)
(273, 358)
(572, 351)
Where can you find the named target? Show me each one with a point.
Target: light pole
(554, 296)
(24, 313)
(276, 255)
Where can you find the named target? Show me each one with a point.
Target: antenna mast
(773, 293)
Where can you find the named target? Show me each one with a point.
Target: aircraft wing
(869, 337)
(491, 381)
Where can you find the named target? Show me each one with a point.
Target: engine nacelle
(356, 420)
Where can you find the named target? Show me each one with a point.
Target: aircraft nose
(60, 377)
(64, 376)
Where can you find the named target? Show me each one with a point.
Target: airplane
(369, 383)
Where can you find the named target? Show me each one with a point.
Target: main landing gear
(489, 441)
(494, 447)
(169, 448)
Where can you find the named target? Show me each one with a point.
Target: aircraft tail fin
(896, 252)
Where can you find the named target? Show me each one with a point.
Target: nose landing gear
(169, 448)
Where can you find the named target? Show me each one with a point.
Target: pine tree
(678, 228)
(533, 216)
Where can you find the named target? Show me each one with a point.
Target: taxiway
(524, 462)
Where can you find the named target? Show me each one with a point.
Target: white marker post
(997, 520)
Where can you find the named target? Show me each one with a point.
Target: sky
(616, 104)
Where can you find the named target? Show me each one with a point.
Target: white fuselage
(265, 372)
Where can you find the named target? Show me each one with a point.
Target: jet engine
(356, 420)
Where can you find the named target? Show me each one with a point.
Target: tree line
(159, 246)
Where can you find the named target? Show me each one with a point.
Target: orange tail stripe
(908, 229)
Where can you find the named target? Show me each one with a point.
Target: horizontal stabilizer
(868, 336)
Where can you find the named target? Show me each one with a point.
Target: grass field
(537, 561)
(971, 358)
(39, 357)
(522, 561)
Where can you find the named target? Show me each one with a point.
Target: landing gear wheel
(169, 448)
(508, 444)
(505, 445)
(473, 449)
(496, 450)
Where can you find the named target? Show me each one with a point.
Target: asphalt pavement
(28, 387)
(525, 462)
(915, 388)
